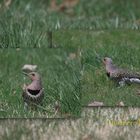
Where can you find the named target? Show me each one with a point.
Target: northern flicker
(120, 75)
(33, 93)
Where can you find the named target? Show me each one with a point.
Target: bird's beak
(25, 73)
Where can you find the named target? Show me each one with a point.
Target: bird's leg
(127, 81)
(124, 81)
(25, 106)
(121, 83)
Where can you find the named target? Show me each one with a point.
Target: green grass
(72, 73)
(123, 48)
(25, 23)
(121, 45)
(95, 29)
(61, 82)
(74, 81)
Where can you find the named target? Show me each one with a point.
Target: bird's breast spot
(33, 92)
(108, 74)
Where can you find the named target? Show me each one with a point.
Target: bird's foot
(121, 84)
(25, 106)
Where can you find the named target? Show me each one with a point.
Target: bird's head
(33, 76)
(107, 61)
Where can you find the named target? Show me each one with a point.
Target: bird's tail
(132, 80)
(135, 80)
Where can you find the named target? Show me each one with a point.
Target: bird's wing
(121, 73)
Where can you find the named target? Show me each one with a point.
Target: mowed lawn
(73, 73)
(123, 46)
(97, 123)
(60, 77)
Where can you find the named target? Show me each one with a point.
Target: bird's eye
(104, 59)
(33, 74)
